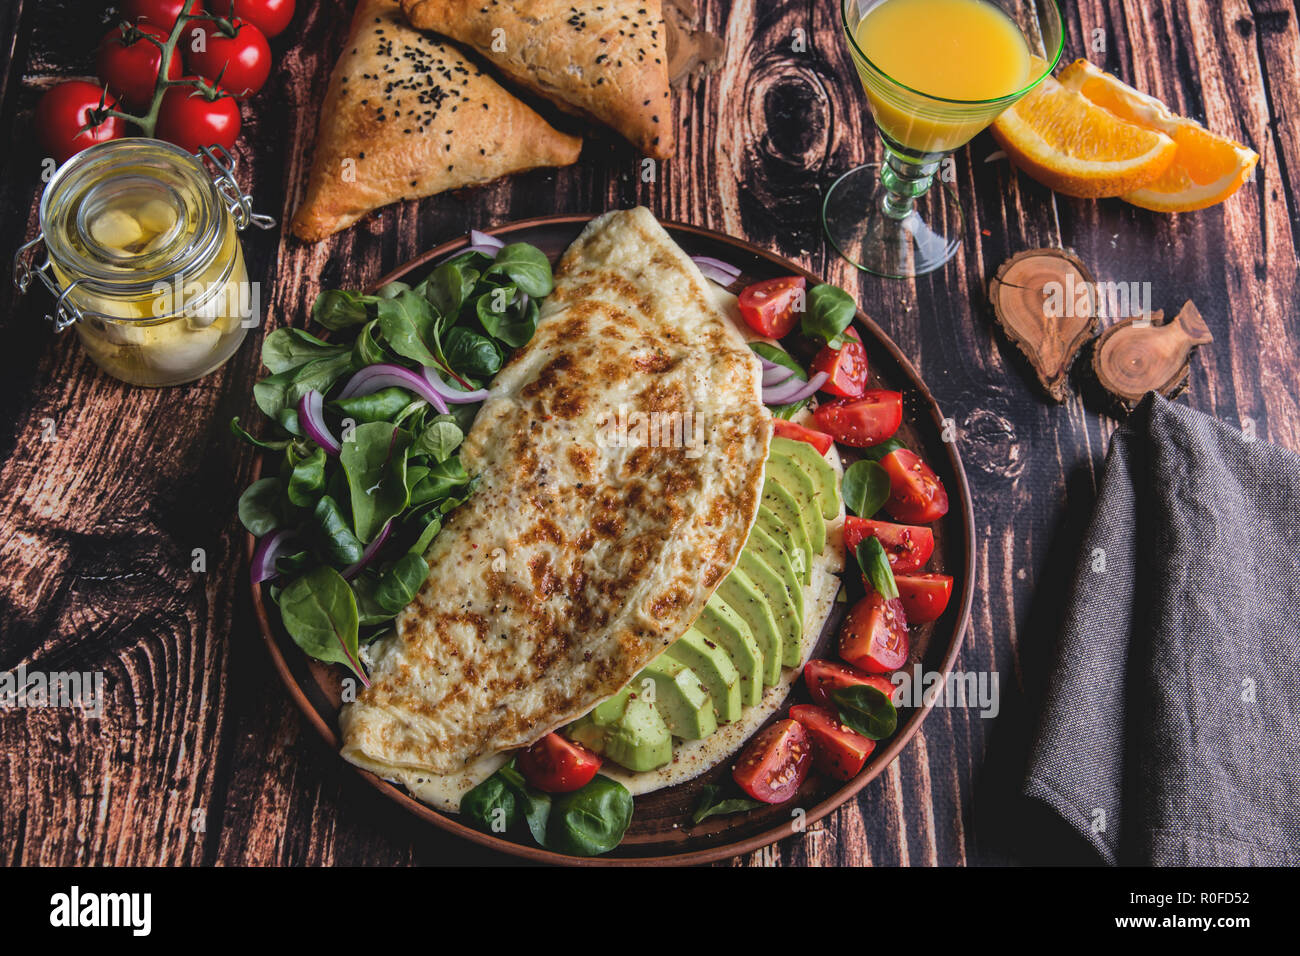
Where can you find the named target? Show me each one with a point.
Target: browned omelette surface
(586, 549)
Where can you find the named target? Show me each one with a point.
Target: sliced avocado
(786, 509)
(816, 467)
(774, 556)
(680, 698)
(791, 477)
(724, 627)
(788, 621)
(626, 729)
(714, 668)
(747, 601)
(785, 538)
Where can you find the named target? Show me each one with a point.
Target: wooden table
(200, 757)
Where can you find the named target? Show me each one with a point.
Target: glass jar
(143, 255)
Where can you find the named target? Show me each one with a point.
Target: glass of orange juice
(936, 72)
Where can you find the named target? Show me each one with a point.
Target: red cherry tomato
(838, 750)
(775, 763)
(773, 307)
(557, 765)
(846, 367)
(824, 678)
(916, 494)
(907, 546)
(874, 636)
(240, 61)
(128, 63)
(161, 13)
(192, 118)
(65, 109)
(269, 16)
(924, 596)
(862, 422)
(819, 440)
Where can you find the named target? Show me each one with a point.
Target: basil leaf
(878, 452)
(318, 374)
(867, 710)
(366, 350)
(421, 545)
(238, 432)
(381, 406)
(865, 488)
(875, 565)
(399, 584)
(369, 611)
(338, 308)
(392, 290)
(535, 805)
(472, 354)
(591, 820)
(439, 439)
(259, 506)
(320, 614)
(286, 349)
(491, 806)
(527, 267)
(710, 806)
(406, 322)
(334, 538)
(307, 479)
(440, 481)
(449, 286)
(375, 464)
(830, 311)
(782, 357)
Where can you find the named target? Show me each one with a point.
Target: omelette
(581, 556)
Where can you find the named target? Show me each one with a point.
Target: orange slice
(1067, 142)
(1207, 168)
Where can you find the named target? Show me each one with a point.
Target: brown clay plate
(661, 831)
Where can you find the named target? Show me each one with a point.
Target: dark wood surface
(200, 757)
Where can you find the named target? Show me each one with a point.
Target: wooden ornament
(1143, 354)
(1045, 300)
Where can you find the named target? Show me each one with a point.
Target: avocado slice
(782, 535)
(680, 698)
(747, 600)
(626, 729)
(786, 509)
(791, 477)
(788, 621)
(816, 467)
(774, 556)
(724, 627)
(715, 669)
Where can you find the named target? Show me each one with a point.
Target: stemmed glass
(884, 218)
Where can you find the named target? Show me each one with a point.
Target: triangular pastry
(407, 115)
(605, 60)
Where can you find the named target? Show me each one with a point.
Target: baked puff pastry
(605, 61)
(406, 115)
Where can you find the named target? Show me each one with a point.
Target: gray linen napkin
(1171, 728)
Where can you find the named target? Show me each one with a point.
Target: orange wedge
(1071, 144)
(1207, 168)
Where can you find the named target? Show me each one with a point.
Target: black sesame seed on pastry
(407, 115)
(605, 61)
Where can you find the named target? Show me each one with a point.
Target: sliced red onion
(717, 265)
(453, 395)
(723, 279)
(767, 363)
(269, 548)
(776, 375)
(311, 415)
(368, 555)
(387, 375)
(796, 391)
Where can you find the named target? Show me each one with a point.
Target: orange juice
(965, 50)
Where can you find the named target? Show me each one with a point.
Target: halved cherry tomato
(838, 750)
(129, 61)
(775, 763)
(772, 307)
(916, 495)
(238, 57)
(557, 765)
(823, 678)
(819, 440)
(908, 546)
(874, 636)
(68, 118)
(862, 422)
(846, 367)
(924, 596)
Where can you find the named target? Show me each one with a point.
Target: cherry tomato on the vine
(269, 16)
(163, 13)
(129, 62)
(193, 118)
(68, 118)
(237, 57)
